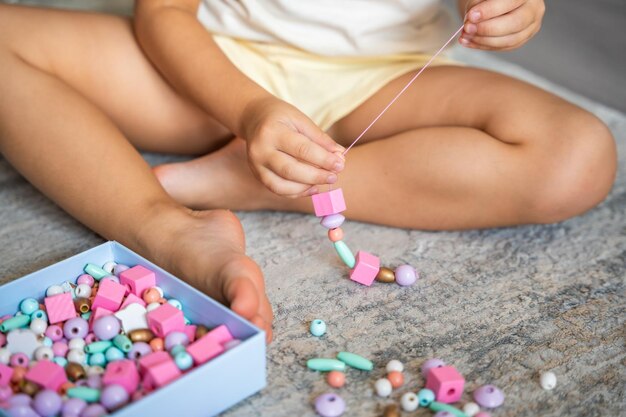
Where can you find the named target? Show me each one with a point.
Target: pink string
(403, 90)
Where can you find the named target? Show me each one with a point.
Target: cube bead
(132, 299)
(6, 372)
(124, 373)
(152, 359)
(220, 334)
(162, 373)
(447, 384)
(110, 295)
(329, 202)
(60, 307)
(204, 349)
(365, 269)
(138, 279)
(166, 319)
(47, 374)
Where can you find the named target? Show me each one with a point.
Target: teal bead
(437, 406)
(183, 360)
(174, 302)
(355, 361)
(86, 315)
(123, 343)
(97, 359)
(345, 253)
(318, 327)
(60, 361)
(325, 364)
(90, 395)
(95, 271)
(114, 354)
(187, 321)
(15, 322)
(98, 347)
(177, 349)
(425, 397)
(47, 342)
(39, 314)
(29, 305)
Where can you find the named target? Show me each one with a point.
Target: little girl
(271, 92)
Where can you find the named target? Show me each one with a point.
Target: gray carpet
(502, 305)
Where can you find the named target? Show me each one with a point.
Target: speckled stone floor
(501, 305)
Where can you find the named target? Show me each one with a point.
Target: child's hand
(501, 25)
(287, 151)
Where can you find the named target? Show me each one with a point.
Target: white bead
(383, 387)
(67, 287)
(160, 291)
(109, 266)
(152, 306)
(409, 402)
(5, 356)
(44, 352)
(38, 326)
(83, 291)
(132, 317)
(54, 290)
(76, 355)
(94, 370)
(76, 343)
(548, 380)
(471, 409)
(394, 365)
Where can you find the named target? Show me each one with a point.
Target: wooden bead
(28, 387)
(201, 331)
(391, 411)
(75, 371)
(157, 344)
(83, 305)
(141, 335)
(385, 275)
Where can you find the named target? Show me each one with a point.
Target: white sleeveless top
(333, 27)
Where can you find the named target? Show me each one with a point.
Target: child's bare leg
(463, 148)
(67, 82)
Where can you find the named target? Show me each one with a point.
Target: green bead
(15, 322)
(86, 315)
(177, 349)
(183, 360)
(113, 354)
(324, 364)
(345, 253)
(98, 347)
(97, 359)
(355, 361)
(39, 314)
(29, 305)
(96, 272)
(437, 406)
(123, 343)
(425, 397)
(90, 395)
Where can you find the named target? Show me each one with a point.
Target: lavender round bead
(119, 268)
(76, 327)
(22, 411)
(94, 410)
(73, 407)
(489, 396)
(47, 403)
(443, 414)
(405, 275)
(107, 327)
(330, 405)
(332, 221)
(138, 350)
(431, 363)
(94, 381)
(5, 393)
(20, 399)
(113, 397)
(176, 338)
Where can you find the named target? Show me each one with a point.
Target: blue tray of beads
(202, 391)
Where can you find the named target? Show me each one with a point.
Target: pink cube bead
(329, 202)
(47, 374)
(365, 268)
(190, 331)
(204, 349)
(166, 319)
(60, 307)
(138, 279)
(110, 295)
(220, 334)
(124, 373)
(162, 373)
(151, 359)
(447, 384)
(6, 372)
(132, 299)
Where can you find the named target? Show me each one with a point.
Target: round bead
(54, 290)
(489, 396)
(113, 354)
(443, 414)
(90, 338)
(483, 414)
(431, 363)
(82, 291)
(471, 409)
(141, 335)
(177, 349)
(160, 290)
(73, 407)
(113, 397)
(425, 397)
(336, 379)
(152, 306)
(383, 387)
(106, 327)
(330, 405)
(22, 411)
(60, 360)
(547, 380)
(394, 365)
(76, 328)
(19, 399)
(94, 410)
(97, 359)
(396, 378)
(385, 275)
(77, 343)
(111, 278)
(183, 360)
(138, 350)
(44, 352)
(405, 275)
(332, 221)
(5, 356)
(29, 305)
(19, 359)
(318, 328)
(176, 338)
(54, 332)
(119, 268)
(151, 295)
(336, 234)
(86, 279)
(109, 267)
(76, 355)
(38, 326)
(47, 403)
(391, 411)
(94, 381)
(157, 344)
(60, 348)
(39, 314)
(174, 302)
(409, 402)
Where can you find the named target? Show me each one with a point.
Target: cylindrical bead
(15, 322)
(437, 406)
(122, 342)
(355, 361)
(141, 335)
(345, 253)
(325, 364)
(82, 305)
(95, 271)
(87, 394)
(98, 347)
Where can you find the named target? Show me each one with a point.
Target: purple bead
(94, 410)
(5, 393)
(329, 405)
(107, 327)
(20, 399)
(112, 278)
(113, 397)
(138, 350)
(175, 339)
(119, 268)
(332, 221)
(405, 275)
(54, 332)
(47, 403)
(76, 327)
(443, 414)
(489, 396)
(73, 407)
(86, 279)
(22, 411)
(431, 363)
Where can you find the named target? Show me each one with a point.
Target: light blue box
(202, 392)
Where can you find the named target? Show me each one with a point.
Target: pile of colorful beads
(364, 267)
(94, 346)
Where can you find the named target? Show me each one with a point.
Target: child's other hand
(501, 25)
(287, 151)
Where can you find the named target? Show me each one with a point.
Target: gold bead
(385, 275)
(141, 335)
(391, 411)
(75, 371)
(83, 305)
(28, 387)
(201, 331)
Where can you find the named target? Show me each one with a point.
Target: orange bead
(157, 344)
(396, 378)
(151, 295)
(336, 379)
(162, 300)
(336, 234)
(65, 386)
(18, 374)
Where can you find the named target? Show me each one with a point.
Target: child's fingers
(507, 24)
(281, 186)
(317, 135)
(304, 149)
(499, 42)
(489, 9)
(293, 170)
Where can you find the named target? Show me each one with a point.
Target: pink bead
(329, 202)
(90, 338)
(47, 374)
(204, 349)
(132, 299)
(124, 373)
(447, 384)
(60, 349)
(19, 359)
(151, 359)
(138, 279)
(162, 373)
(190, 330)
(365, 268)
(220, 334)
(54, 332)
(166, 319)
(60, 307)
(98, 312)
(482, 414)
(335, 235)
(110, 295)
(86, 279)
(3, 339)
(6, 372)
